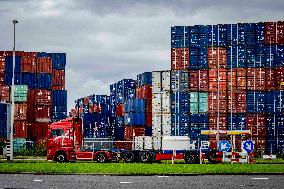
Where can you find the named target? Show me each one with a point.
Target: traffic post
(224, 146)
(248, 146)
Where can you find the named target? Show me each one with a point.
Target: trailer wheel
(145, 157)
(101, 158)
(60, 157)
(128, 157)
(211, 156)
(190, 157)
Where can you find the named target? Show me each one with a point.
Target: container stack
(120, 92)
(144, 92)
(237, 69)
(36, 91)
(161, 106)
(95, 111)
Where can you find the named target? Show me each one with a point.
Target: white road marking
(37, 180)
(125, 182)
(259, 178)
(163, 176)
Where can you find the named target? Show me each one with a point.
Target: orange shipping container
(44, 65)
(20, 111)
(217, 56)
(213, 80)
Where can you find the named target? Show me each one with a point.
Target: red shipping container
(44, 65)
(213, 102)
(20, 129)
(147, 92)
(270, 79)
(217, 56)
(97, 108)
(139, 93)
(119, 110)
(274, 32)
(238, 102)
(279, 78)
(20, 111)
(256, 79)
(256, 124)
(280, 32)
(238, 79)
(148, 106)
(213, 121)
(4, 93)
(2, 79)
(259, 143)
(179, 58)
(58, 77)
(39, 97)
(198, 80)
(28, 64)
(213, 80)
(37, 130)
(148, 119)
(59, 88)
(270, 33)
(130, 131)
(40, 113)
(127, 145)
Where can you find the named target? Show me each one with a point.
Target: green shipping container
(19, 144)
(21, 93)
(198, 102)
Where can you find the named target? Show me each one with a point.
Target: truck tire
(190, 157)
(101, 158)
(211, 156)
(60, 157)
(128, 157)
(145, 157)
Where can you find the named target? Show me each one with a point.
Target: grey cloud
(107, 41)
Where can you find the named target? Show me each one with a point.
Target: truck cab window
(56, 132)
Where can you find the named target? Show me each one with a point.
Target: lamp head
(15, 21)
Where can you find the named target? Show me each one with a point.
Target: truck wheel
(211, 156)
(60, 157)
(101, 158)
(145, 157)
(128, 157)
(190, 157)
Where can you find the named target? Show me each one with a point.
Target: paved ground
(89, 181)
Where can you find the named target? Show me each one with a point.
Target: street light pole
(12, 94)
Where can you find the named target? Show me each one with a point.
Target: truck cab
(65, 143)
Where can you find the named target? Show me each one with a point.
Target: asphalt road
(90, 181)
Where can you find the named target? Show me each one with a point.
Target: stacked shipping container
(240, 68)
(39, 95)
(226, 76)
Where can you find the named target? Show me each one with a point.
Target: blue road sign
(248, 146)
(224, 146)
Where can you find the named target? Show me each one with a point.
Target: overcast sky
(107, 41)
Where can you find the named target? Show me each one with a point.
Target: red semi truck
(65, 143)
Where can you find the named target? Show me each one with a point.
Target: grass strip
(139, 168)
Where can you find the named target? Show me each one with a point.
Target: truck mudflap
(214, 156)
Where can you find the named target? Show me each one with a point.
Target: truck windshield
(56, 132)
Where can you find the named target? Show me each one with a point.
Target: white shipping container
(156, 102)
(157, 142)
(143, 143)
(166, 80)
(156, 81)
(166, 102)
(176, 143)
(166, 119)
(156, 124)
